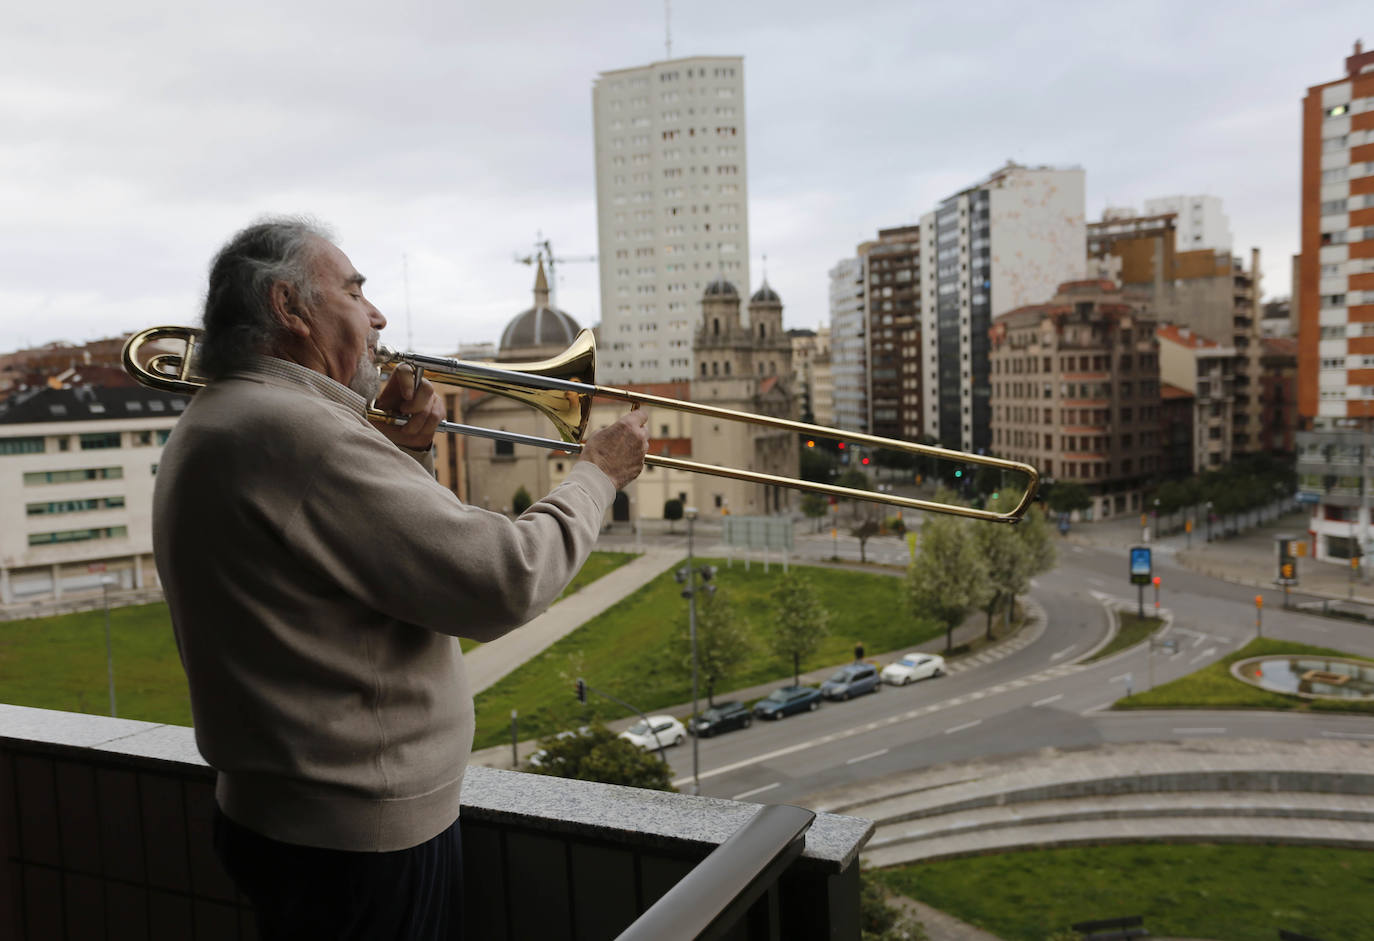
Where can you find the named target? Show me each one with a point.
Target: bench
(1112, 929)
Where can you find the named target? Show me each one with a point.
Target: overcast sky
(439, 143)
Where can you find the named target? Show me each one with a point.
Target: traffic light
(958, 473)
(811, 444)
(1288, 570)
(581, 692)
(840, 445)
(864, 461)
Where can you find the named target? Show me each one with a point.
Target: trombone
(562, 389)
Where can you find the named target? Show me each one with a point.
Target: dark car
(722, 717)
(853, 680)
(788, 700)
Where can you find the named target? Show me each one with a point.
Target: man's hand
(619, 449)
(422, 407)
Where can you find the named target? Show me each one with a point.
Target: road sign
(1308, 496)
(1141, 568)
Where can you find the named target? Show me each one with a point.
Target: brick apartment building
(1075, 392)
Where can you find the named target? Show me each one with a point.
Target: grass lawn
(1213, 687)
(628, 652)
(1223, 892)
(59, 662)
(1131, 630)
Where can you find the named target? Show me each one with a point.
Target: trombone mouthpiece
(386, 355)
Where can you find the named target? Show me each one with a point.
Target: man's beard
(367, 378)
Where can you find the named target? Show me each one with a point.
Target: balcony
(105, 832)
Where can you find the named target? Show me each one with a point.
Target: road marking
(1097, 581)
(1120, 677)
(1201, 730)
(1201, 638)
(1210, 651)
(757, 790)
(966, 725)
(1092, 709)
(1348, 735)
(1063, 653)
(872, 754)
(1047, 700)
(1078, 549)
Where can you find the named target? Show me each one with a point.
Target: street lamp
(691, 514)
(1209, 520)
(105, 584)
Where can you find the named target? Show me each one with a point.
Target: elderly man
(318, 579)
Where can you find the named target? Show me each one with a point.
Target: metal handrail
(722, 887)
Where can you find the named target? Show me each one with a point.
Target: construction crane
(543, 251)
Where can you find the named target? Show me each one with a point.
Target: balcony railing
(105, 832)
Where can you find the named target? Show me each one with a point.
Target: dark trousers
(302, 892)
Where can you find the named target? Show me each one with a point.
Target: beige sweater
(318, 577)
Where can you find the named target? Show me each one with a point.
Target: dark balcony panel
(126, 908)
(80, 817)
(83, 903)
(121, 842)
(169, 917)
(539, 865)
(217, 922)
(37, 794)
(41, 899)
(164, 831)
(485, 899)
(607, 875)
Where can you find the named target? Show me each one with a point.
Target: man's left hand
(422, 408)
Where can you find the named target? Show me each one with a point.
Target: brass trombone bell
(562, 389)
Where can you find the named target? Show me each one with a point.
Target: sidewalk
(490, 662)
(1246, 558)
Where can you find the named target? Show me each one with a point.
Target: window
(73, 476)
(33, 445)
(104, 439)
(78, 535)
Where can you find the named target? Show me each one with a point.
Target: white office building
(76, 489)
(672, 202)
(848, 345)
(1199, 222)
(1006, 242)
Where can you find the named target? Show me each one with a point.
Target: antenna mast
(405, 279)
(668, 26)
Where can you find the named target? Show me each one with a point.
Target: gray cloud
(137, 138)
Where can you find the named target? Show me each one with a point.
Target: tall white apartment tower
(1005, 242)
(1199, 222)
(672, 206)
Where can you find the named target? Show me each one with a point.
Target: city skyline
(441, 145)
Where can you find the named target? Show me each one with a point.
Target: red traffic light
(1156, 581)
(810, 444)
(841, 445)
(864, 461)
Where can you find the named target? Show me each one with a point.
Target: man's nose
(378, 318)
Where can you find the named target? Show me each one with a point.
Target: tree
(521, 501)
(948, 577)
(672, 512)
(595, 753)
(1067, 495)
(865, 531)
(799, 620)
(815, 506)
(1014, 555)
(722, 642)
(855, 479)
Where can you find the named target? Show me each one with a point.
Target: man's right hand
(619, 449)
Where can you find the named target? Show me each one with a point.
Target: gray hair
(238, 320)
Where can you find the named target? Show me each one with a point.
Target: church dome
(721, 288)
(765, 295)
(541, 329)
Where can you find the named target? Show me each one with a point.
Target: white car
(912, 667)
(661, 731)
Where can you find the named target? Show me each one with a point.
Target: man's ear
(287, 311)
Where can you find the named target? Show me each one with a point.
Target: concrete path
(490, 662)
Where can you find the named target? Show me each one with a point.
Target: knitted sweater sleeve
(374, 523)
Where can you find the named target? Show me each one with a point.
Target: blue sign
(1140, 565)
(1307, 496)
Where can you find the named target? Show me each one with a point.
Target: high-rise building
(672, 203)
(1006, 242)
(848, 345)
(1334, 301)
(892, 330)
(1199, 222)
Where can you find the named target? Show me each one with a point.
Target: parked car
(853, 680)
(722, 717)
(536, 758)
(914, 666)
(788, 700)
(660, 732)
